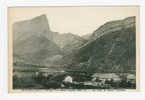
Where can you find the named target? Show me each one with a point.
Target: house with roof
(105, 76)
(131, 78)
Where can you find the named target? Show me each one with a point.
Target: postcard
(79, 48)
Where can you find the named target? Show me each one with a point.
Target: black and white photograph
(76, 48)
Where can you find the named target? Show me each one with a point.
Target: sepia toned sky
(77, 20)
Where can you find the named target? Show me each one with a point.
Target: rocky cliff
(112, 48)
(32, 40)
(34, 27)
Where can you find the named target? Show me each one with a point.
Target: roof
(106, 75)
(131, 76)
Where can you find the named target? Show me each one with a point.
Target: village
(52, 79)
(96, 81)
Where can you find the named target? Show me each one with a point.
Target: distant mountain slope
(68, 41)
(112, 48)
(66, 38)
(73, 42)
(87, 36)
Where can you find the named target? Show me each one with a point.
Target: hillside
(112, 48)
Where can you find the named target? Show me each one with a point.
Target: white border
(67, 95)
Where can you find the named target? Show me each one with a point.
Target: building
(105, 76)
(131, 78)
(68, 79)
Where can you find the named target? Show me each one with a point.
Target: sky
(76, 20)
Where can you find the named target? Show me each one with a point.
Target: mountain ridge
(114, 51)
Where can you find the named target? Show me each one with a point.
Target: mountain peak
(42, 17)
(36, 26)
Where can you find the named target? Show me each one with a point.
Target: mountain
(32, 40)
(68, 42)
(111, 48)
(72, 42)
(113, 26)
(87, 36)
(34, 27)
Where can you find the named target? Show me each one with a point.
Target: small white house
(68, 79)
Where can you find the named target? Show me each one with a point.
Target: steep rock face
(32, 41)
(110, 50)
(37, 26)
